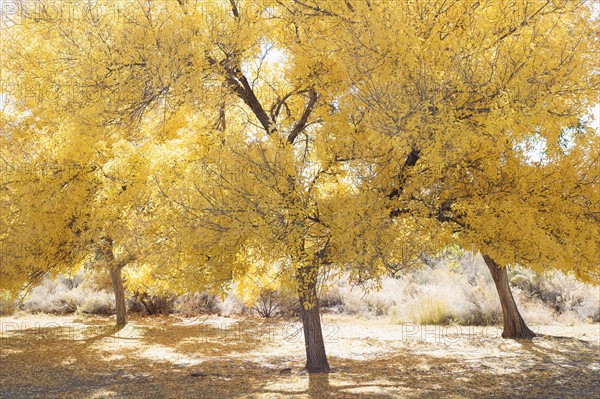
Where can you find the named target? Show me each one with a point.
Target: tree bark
(117, 281)
(514, 325)
(316, 359)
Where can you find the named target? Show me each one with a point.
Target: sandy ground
(45, 356)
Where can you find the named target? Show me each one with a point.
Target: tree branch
(301, 124)
(234, 9)
(241, 87)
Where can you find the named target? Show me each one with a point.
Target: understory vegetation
(445, 291)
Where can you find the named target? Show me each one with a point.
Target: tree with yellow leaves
(265, 147)
(65, 212)
(458, 91)
(73, 165)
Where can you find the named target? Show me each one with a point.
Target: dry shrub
(271, 303)
(151, 304)
(63, 295)
(457, 291)
(197, 303)
(232, 304)
(331, 298)
(432, 311)
(482, 307)
(562, 292)
(462, 291)
(97, 302)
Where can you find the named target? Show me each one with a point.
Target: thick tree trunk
(514, 326)
(316, 359)
(117, 283)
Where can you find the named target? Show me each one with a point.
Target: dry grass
(83, 293)
(456, 291)
(431, 311)
(68, 357)
(463, 292)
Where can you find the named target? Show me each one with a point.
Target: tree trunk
(316, 359)
(117, 283)
(514, 326)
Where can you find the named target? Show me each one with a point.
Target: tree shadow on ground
(209, 338)
(101, 362)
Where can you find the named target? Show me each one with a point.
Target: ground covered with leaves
(215, 357)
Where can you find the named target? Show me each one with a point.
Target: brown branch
(276, 108)
(234, 9)
(128, 259)
(411, 160)
(242, 88)
(315, 8)
(301, 124)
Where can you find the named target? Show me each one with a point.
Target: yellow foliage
(211, 143)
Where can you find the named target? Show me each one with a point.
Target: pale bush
(457, 291)
(462, 291)
(342, 297)
(232, 304)
(570, 299)
(63, 295)
(482, 307)
(331, 298)
(438, 293)
(98, 302)
(52, 296)
(194, 304)
(533, 310)
(589, 308)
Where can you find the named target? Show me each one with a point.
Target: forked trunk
(514, 326)
(117, 283)
(316, 359)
